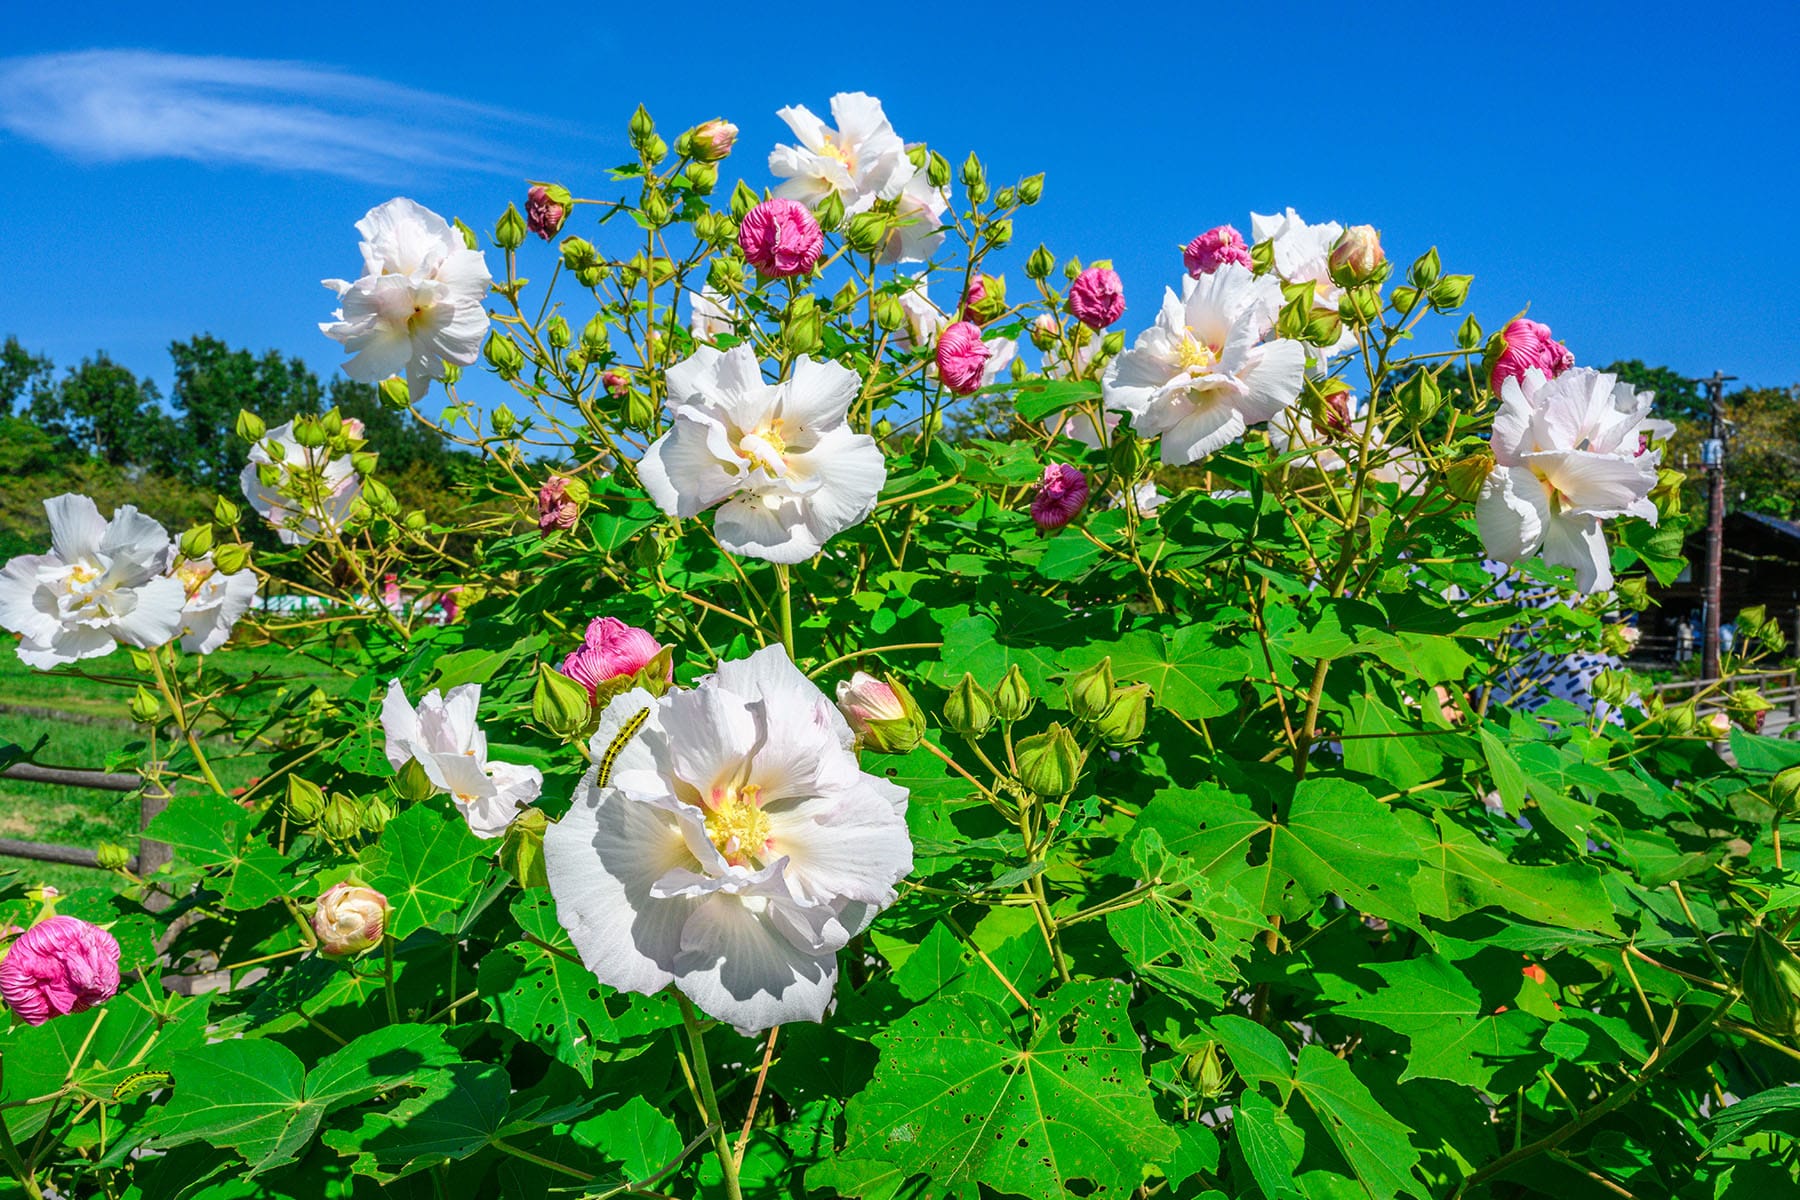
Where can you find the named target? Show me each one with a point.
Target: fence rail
(154, 799)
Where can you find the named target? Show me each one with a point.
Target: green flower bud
(504, 421)
(377, 811)
(1465, 476)
(522, 851)
(1784, 790)
(868, 230)
(1050, 762)
(639, 410)
(969, 710)
(1323, 330)
(145, 707)
(556, 332)
(380, 496)
(1262, 257)
(1123, 722)
(594, 337)
(342, 818)
(561, 705)
(655, 150)
(656, 209)
(225, 512)
(743, 199)
(1128, 457)
(250, 427)
(1448, 293)
(1040, 264)
(1112, 343)
(509, 231)
(830, 212)
(1091, 691)
(231, 557)
(364, 462)
(973, 174)
(394, 393)
(1420, 397)
(333, 423)
(1633, 592)
(504, 355)
(1468, 334)
(268, 474)
(726, 274)
(884, 715)
(1360, 305)
(802, 332)
(305, 800)
(1013, 698)
(578, 252)
(1403, 299)
(411, 783)
(918, 154)
(1612, 687)
(1000, 233)
(640, 129)
(937, 170)
(1031, 189)
(1205, 1072)
(888, 314)
(703, 175)
(1771, 984)
(1748, 708)
(1425, 269)
(1005, 198)
(110, 856)
(415, 520)
(846, 297)
(196, 542)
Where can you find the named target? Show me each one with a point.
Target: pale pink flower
(60, 966)
(611, 648)
(1062, 494)
(349, 919)
(961, 356)
(714, 139)
(556, 508)
(1097, 297)
(781, 238)
(616, 383)
(1213, 249)
(1528, 345)
(544, 213)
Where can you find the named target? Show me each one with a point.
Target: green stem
(387, 975)
(696, 1036)
(10, 1153)
(787, 608)
(547, 1163)
(179, 711)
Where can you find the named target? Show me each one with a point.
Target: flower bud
(380, 496)
(884, 715)
(561, 705)
(1045, 331)
(1031, 189)
(225, 512)
(743, 199)
(1323, 330)
(411, 783)
(639, 411)
(889, 314)
(712, 140)
(522, 852)
(1013, 698)
(305, 800)
(231, 558)
(640, 129)
(509, 231)
(1420, 397)
(416, 520)
(1784, 790)
(1062, 493)
(985, 300)
(1468, 334)
(830, 213)
(110, 856)
(1716, 726)
(702, 175)
(1205, 1072)
(1127, 456)
(1448, 293)
(504, 355)
(867, 232)
(1097, 297)
(349, 919)
(1123, 722)
(1425, 269)
(803, 331)
(503, 421)
(342, 818)
(250, 427)
(1040, 264)
(1050, 762)
(781, 239)
(145, 707)
(1633, 592)
(1091, 691)
(1403, 300)
(1004, 198)
(616, 382)
(1356, 255)
(393, 393)
(961, 358)
(1464, 477)
(197, 542)
(1360, 306)
(376, 812)
(1611, 687)
(546, 208)
(1748, 707)
(556, 332)
(1000, 233)
(937, 170)
(969, 710)
(470, 241)
(1112, 343)
(1771, 985)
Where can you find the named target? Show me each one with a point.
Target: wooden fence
(152, 800)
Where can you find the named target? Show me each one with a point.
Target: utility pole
(1712, 456)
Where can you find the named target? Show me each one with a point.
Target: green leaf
(1754, 752)
(1038, 399)
(1186, 934)
(635, 1134)
(1373, 1143)
(1388, 747)
(1468, 874)
(1509, 781)
(465, 1109)
(425, 864)
(1271, 1145)
(1429, 1001)
(1188, 673)
(1774, 1111)
(957, 1099)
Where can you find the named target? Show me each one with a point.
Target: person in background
(1727, 637)
(1684, 640)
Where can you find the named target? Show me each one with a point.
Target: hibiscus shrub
(1205, 771)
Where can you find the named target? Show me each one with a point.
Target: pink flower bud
(1061, 495)
(616, 383)
(961, 356)
(611, 648)
(353, 427)
(1336, 417)
(714, 139)
(1214, 248)
(1356, 255)
(1528, 344)
(557, 509)
(546, 210)
(780, 238)
(985, 300)
(1097, 297)
(349, 919)
(884, 716)
(59, 966)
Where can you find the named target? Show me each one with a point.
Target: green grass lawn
(83, 723)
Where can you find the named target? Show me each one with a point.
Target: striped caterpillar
(626, 732)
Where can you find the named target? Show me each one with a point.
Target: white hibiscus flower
(419, 302)
(709, 314)
(863, 160)
(780, 459)
(1204, 372)
(1303, 255)
(734, 847)
(214, 602)
(101, 584)
(918, 230)
(442, 736)
(1568, 453)
(308, 492)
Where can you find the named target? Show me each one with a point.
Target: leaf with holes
(1186, 933)
(957, 1099)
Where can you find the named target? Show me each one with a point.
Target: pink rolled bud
(610, 649)
(780, 238)
(1062, 494)
(558, 508)
(1356, 255)
(884, 716)
(1213, 249)
(713, 140)
(1528, 344)
(985, 299)
(546, 208)
(59, 966)
(349, 919)
(616, 383)
(961, 358)
(1097, 297)
(1336, 415)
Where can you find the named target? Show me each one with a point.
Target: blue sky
(1630, 171)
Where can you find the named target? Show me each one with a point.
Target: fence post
(153, 855)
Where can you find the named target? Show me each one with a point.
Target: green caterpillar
(139, 1082)
(626, 733)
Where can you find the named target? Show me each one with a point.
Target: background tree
(21, 373)
(212, 382)
(1677, 398)
(101, 409)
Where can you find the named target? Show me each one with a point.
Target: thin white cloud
(122, 105)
